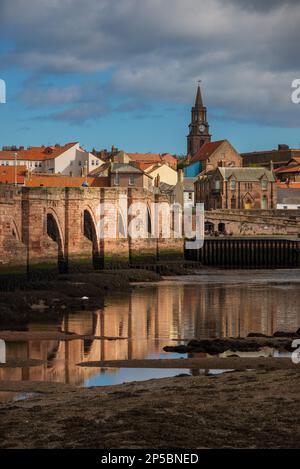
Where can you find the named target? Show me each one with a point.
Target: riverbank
(251, 409)
(49, 299)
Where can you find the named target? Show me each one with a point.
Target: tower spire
(198, 101)
(199, 127)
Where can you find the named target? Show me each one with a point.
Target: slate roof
(246, 174)
(125, 168)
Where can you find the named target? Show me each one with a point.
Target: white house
(68, 159)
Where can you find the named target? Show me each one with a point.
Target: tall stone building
(199, 128)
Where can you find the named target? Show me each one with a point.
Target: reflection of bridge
(41, 225)
(151, 318)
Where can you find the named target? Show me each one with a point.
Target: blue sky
(124, 72)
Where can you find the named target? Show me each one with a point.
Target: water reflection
(152, 317)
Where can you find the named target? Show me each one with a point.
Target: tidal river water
(211, 303)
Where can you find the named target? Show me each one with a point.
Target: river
(212, 303)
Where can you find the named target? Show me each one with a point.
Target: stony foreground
(239, 409)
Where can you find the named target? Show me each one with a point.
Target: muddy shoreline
(236, 410)
(50, 299)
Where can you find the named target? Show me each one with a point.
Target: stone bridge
(45, 226)
(254, 222)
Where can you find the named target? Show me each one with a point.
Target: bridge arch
(122, 228)
(149, 220)
(90, 232)
(209, 227)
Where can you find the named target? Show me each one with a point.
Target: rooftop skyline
(125, 72)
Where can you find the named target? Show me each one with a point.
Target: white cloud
(246, 52)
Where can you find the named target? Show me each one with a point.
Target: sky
(124, 72)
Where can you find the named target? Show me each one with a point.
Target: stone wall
(44, 227)
(256, 222)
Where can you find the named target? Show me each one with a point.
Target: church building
(198, 128)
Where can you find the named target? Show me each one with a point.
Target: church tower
(199, 128)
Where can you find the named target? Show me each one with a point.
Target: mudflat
(249, 409)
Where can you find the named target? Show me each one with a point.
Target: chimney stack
(180, 175)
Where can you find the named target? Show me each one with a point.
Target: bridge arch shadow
(89, 231)
(54, 232)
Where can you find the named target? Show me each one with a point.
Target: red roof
(206, 151)
(36, 153)
(290, 185)
(8, 174)
(144, 166)
(65, 181)
(289, 169)
(153, 158)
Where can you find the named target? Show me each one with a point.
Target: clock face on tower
(201, 128)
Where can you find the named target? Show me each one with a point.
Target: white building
(69, 159)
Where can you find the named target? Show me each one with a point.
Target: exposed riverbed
(198, 408)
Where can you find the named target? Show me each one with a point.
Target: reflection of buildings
(151, 317)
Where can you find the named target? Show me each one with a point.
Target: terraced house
(236, 188)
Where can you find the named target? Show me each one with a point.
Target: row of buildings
(225, 179)
(214, 172)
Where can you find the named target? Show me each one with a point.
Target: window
(35, 165)
(190, 196)
(117, 180)
(233, 184)
(217, 185)
(264, 184)
(97, 163)
(131, 180)
(93, 162)
(79, 163)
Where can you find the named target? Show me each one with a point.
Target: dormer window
(48, 150)
(264, 184)
(232, 184)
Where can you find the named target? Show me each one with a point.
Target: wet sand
(228, 363)
(235, 410)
